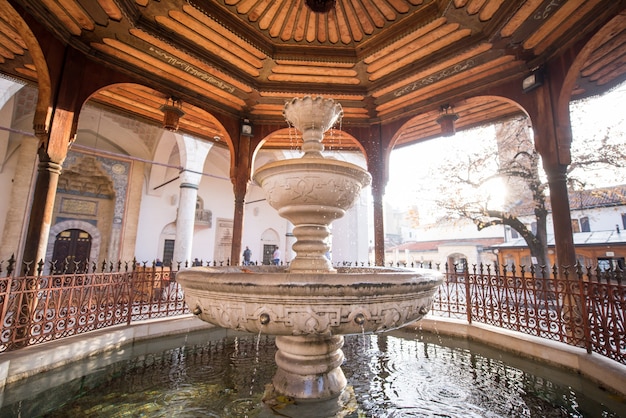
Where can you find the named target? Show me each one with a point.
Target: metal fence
(583, 307)
(38, 308)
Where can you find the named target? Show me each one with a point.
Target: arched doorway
(269, 240)
(457, 262)
(72, 248)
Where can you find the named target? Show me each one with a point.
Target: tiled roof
(433, 245)
(597, 198)
(583, 199)
(580, 239)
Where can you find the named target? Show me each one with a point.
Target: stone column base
(309, 367)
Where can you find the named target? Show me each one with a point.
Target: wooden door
(72, 248)
(268, 252)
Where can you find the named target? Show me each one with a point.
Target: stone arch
(168, 153)
(458, 259)
(270, 235)
(96, 237)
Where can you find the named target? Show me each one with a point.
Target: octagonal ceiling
(382, 59)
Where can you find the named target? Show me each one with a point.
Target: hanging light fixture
(446, 119)
(172, 112)
(320, 6)
(246, 127)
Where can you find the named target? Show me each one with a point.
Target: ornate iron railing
(39, 308)
(583, 307)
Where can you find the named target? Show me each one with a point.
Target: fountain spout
(312, 117)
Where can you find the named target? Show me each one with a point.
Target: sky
(409, 168)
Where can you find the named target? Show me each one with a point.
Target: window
(584, 224)
(575, 226)
(624, 220)
(526, 262)
(610, 263)
(585, 261)
(533, 228)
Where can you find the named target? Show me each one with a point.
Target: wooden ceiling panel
(64, 17)
(521, 16)
(489, 9)
(151, 65)
(216, 47)
(464, 78)
(554, 28)
(611, 52)
(224, 33)
(384, 60)
(111, 9)
(184, 59)
(435, 72)
(413, 49)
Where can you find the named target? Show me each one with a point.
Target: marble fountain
(310, 305)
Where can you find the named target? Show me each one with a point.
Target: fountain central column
(311, 192)
(309, 367)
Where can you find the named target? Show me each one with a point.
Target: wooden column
(379, 226)
(561, 219)
(73, 79)
(236, 253)
(240, 176)
(42, 206)
(376, 166)
(553, 134)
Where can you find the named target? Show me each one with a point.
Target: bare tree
(511, 158)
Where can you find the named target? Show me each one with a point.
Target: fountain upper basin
(307, 182)
(269, 300)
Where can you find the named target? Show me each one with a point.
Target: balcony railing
(584, 307)
(204, 218)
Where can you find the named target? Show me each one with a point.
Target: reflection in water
(399, 374)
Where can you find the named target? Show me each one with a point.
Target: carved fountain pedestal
(310, 306)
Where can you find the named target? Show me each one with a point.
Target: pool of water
(219, 373)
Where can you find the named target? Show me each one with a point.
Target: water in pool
(219, 373)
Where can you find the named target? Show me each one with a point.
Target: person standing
(276, 256)
(247, 254)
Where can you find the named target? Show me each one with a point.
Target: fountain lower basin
(309, 314)
(269, 300)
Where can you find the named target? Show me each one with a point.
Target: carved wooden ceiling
(381, 59)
